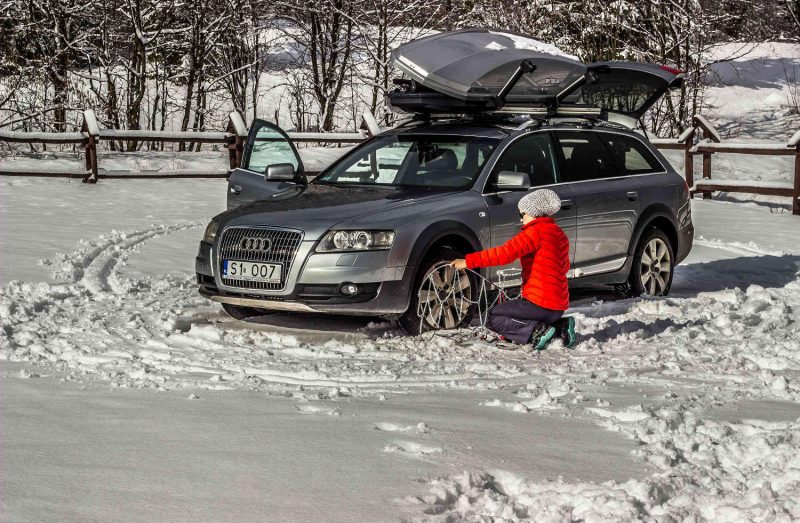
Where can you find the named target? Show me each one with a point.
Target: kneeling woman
(543, 251)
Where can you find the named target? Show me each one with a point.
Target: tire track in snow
(98, 269)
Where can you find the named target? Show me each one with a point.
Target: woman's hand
(459, 264)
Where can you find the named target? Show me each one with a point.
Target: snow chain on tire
(437, 296)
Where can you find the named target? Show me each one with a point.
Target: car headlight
(335, 241)
(211, 232)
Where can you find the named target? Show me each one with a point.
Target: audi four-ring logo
(256, 244)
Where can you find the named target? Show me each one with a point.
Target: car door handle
(236, 189)
(633, 195)
(566, 204)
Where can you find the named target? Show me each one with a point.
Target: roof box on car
(482, 70)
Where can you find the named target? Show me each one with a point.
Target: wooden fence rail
(702, 139)
(91, 135)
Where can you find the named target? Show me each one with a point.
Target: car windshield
(413, 161)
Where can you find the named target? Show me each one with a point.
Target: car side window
(532, 155)
(632, 154)
(584, 156)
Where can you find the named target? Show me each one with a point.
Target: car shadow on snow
(639, 328)
(323, 324)
(729, 273)
(692, 279)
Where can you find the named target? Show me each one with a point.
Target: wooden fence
(90, 136)
(702, 139)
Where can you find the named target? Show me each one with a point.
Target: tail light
(671, 70)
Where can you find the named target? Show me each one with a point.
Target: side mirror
(512, 181)
(280, 172)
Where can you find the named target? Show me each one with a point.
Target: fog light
(349, 289)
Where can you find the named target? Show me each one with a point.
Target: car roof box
(473, 65)
(483, 70)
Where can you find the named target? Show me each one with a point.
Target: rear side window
(532, 155)
(584, 157)
(632, 154)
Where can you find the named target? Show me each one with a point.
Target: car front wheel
(653, 265)
(442, 297)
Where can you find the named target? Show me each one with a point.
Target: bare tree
(241, 56)
(54, 35)
(680, 34)
(380, 26)
(322, 30)
(204, 24)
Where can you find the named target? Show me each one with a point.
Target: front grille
(259, 244)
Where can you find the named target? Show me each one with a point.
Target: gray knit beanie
(542, 202)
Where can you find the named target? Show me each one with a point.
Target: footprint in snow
(420, 428)
(313, 409)
(412, 448)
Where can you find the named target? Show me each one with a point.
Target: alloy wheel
(656, 266)
(445, 297)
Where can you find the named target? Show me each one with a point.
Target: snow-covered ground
(146, 394)
(126, 396)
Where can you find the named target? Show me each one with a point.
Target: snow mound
(706, 470)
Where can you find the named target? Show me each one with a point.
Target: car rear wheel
(653, 265)
(442, 298)
(241, 313)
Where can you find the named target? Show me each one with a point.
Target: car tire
(241, 313)
(653, 265)
(459, 312)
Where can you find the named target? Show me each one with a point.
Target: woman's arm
(523, 243)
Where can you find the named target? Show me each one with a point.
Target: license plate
(252, 271)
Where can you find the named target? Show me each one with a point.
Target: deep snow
(652, 371)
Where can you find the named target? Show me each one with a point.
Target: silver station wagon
(494, 115)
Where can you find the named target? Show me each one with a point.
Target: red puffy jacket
(543, 250)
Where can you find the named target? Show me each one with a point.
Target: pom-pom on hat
(542, 202)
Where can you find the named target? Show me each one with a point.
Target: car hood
(316, 208)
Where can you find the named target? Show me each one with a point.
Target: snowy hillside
(751, 100)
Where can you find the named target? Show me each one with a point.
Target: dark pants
(516, 319)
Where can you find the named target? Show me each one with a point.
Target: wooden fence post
(796, 192)
(687, 139)
(710, 134)
(794, 141)
(92, 131)
(706, 173)
(238, 131)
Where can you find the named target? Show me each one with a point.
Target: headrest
(447, 161)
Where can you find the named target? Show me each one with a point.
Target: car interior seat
(447, 161)
(584, 163)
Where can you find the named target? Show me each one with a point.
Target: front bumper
(313, 284)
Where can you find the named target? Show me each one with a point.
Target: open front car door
(271, 167)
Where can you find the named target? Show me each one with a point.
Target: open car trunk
(476, 70)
